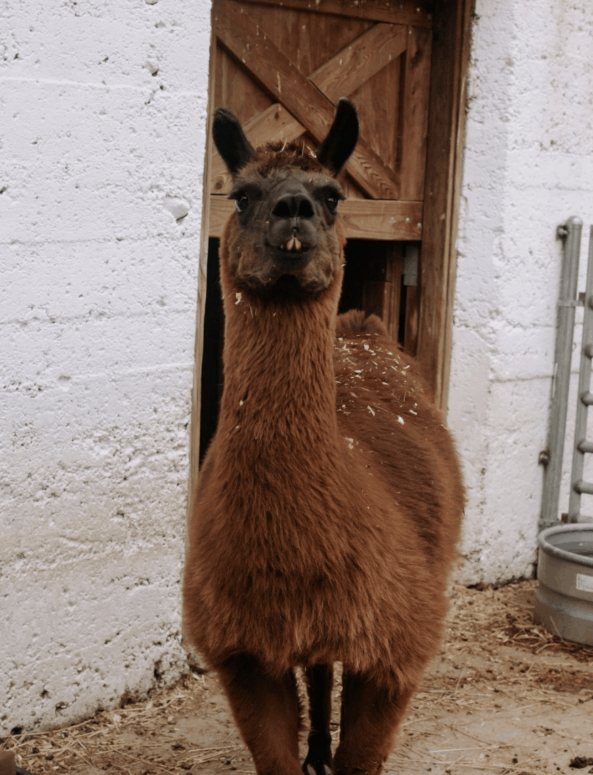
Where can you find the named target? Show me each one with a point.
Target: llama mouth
(293, 252)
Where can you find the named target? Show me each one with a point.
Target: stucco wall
(528, 167)
(103, 110)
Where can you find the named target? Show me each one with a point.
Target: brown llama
(329, 502)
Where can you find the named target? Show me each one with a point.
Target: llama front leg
(371, 713)
(319, 689)
(266, 710)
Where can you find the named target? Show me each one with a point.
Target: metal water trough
(564, 598)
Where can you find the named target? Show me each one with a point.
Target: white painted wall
(528, 167)
(103, 110)
(103, 107)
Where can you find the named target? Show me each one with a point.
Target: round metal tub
(564, 599)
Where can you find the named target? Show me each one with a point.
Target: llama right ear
(335, 150)
(230, 141)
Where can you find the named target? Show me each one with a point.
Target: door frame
(444, 167)
(444, 157)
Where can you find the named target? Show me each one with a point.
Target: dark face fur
(286, 217)
(283, 237)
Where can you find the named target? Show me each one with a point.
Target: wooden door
(281, 66)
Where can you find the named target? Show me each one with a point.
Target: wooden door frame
(444, 161)
(196, 394)
(444, 156)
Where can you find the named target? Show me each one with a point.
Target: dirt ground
(504, 696)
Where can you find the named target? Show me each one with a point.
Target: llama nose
(292, 206)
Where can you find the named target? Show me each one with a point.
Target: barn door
(281, 66)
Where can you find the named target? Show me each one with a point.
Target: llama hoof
(316, 769)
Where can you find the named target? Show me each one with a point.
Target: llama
(329, 501)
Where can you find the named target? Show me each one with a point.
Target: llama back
(384, 411)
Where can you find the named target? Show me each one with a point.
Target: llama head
(283, 238)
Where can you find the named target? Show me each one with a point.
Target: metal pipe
(580, 425)
(581, 487)
(571, 233)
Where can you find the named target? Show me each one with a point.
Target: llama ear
(230, 141)
(335, 150)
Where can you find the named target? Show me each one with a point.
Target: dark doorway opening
(211, 378)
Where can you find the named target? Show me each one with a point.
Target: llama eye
(241, 203)
(332, 203)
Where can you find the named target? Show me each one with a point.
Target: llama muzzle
(294, 220)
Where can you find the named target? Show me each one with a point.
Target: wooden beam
(196, 395)
(275, 72)
(450, 56)
(414, 116)
(400, 12)
(342, 75)
(382, 219)
(361, 218)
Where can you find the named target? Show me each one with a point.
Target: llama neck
(279, 375)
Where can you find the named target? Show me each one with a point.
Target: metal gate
(568, 301)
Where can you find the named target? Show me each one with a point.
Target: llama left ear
(230, 141)
(335, 150)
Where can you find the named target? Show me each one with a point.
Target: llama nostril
(282, 209)
(305, 209)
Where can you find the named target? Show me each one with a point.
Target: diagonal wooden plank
(268, 65)
(418, 14)
(274, 123)
(354, 65)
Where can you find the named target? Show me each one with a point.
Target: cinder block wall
(103, 110)
(528, 167)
